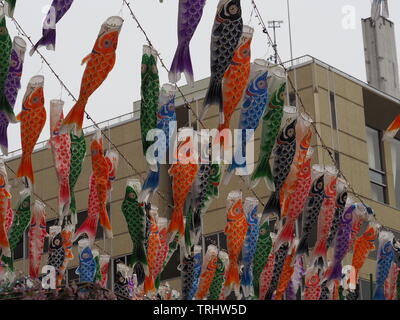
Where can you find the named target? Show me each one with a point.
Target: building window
(292, 99)
(376, 167)
(332, 101)
(395, 145)
(19, 248)
(216, 239)
(183, 116)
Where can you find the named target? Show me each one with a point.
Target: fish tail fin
(48, 40)
(105, 222)
(263, 170)
(140, 272)
(182, 63)
(149, 284)
(320, 252)
(88, 227)
(25, 168)
(232, 278)
(150, 186)
(177, 224)
(303, 246)
(139, 257)
(246, 281)
(286, 235)
(74, 118)
(4, 139)
(336, 273)
(273, 205)
(213, 97)
(379, 293)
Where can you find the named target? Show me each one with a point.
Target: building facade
(349, 114)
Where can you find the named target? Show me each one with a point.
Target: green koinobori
(78, 152)
(219, 276)
(22, 219)
(263, 249)
(150, 91)
(5, 52)
(135, 217)
(271, 125)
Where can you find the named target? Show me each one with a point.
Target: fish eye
(291, 132)
(85, 256)
(132, 195)
(263, 231)
(3, 31)
(261, 84)
(233, 9)
(246, 52)
(14, 63)
(107, 43)
(319, 185)
(144, 68)
(35, 100)
(25, 205)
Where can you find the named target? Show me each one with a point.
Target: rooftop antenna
(290, 32)
(274, 24)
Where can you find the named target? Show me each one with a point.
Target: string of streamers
(185, 100)
(322, 145)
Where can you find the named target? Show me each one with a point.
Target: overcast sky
(321, 28)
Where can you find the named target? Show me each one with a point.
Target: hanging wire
(322, 144)
(187, 104)
(70, 94)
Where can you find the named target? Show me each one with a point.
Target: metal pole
(290, 32)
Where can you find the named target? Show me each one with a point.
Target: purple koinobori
(12, 85)
(189, 16)
(342, 241)
(57, 10)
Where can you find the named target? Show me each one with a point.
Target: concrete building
(349, 114)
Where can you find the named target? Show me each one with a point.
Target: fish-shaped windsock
(266, 276)
(78, 153)
(60, 145)
(135, 217)
(296, 202)
(99, 64)
(37, 234)
(33, 119)
(384, 261)
(154, 245)
(364, 245)
(191, 268)
(162, 250)
(183, 174)
(312, 290)
(5, 52)
(57, 10)
(283, 154)
(312, 207)
(189, 16)
(250, 207)
(12, 85)
(56, 249)
(303, 140)
(296, 279)
(121, 285)
(22, 219)
(225, 36)
(215, 292)
(341, 199)
(87, 263)
(255, 100)
(5, 195)
(325, 218)
(9, 7)
(342, 239)
(66, 236)
(100, 168)
(166, 124)
(271, 123)
(235, 231)
(280, 257)
(287, 272)
(263, 249)
(237, 76)
(104, 266)
(150, 91)
(391, 282)
(365, 213)
(208, 270)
